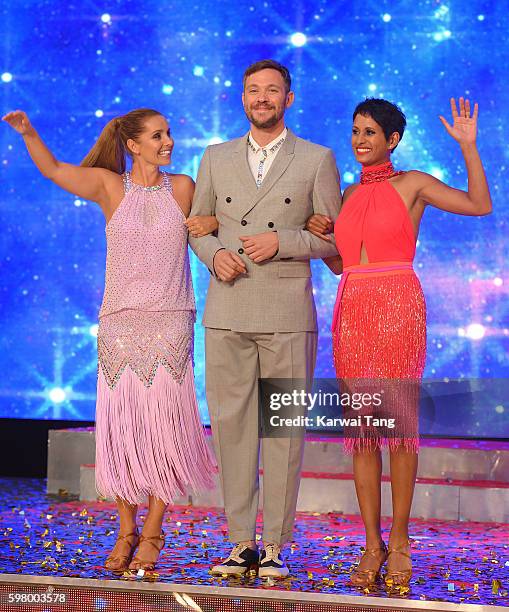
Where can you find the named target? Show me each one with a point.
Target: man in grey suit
(260, 315)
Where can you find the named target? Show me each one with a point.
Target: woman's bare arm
(477, 200)
(87, 183)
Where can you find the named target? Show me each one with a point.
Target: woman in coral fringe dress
(379, 323)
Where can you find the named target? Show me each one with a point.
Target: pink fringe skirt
(379, 346)
(149, 438)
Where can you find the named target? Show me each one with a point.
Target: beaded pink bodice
(147, 262)
(148, 310)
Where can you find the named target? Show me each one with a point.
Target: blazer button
(270, 224)
(243, 222)
(287, 200)
(241, 251)
(228, 199)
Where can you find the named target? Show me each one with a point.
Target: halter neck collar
(378, 173)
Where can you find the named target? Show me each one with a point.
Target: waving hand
(464, 127)
(88, 183)
(477, 200)
(19, 121)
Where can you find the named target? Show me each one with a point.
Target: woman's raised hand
(87, 183)
(464, 128)
(19, 121)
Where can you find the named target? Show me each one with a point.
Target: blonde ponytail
(110, 149)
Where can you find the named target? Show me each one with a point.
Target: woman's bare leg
(127, 519)
(367, 470)
(403, 474)
(152, 527)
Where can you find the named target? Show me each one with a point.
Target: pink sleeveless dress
(149, 438)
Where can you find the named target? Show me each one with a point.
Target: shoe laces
(272, 552)
(237, 549)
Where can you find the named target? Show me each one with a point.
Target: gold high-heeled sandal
(123, 560)
(397, 579)
(364, 578)
(142, 564)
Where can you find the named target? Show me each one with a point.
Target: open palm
(464, 128)
(18, 120)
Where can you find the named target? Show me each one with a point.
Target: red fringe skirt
(379, 346)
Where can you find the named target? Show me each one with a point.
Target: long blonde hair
(111, 148)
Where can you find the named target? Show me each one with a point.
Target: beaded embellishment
(377, 174)
(144, 341)
(148, 309)
(128, 183)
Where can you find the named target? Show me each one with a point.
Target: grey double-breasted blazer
(275, 295)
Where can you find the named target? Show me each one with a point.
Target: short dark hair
(388, 116)
(273, 65)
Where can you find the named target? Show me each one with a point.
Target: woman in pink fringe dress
(149, 439)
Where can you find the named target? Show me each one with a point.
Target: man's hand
(228, 265)
(261, 247)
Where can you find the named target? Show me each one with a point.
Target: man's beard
(267, 123)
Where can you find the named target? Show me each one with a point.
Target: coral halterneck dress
(149, 438)
(379, 324)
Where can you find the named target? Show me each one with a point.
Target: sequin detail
(381, 344)
(128, 183)
(379, 328)
(143, 342)
(147, 262)
(379, 173)
(149, 439)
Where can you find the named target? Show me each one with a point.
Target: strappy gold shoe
(364, 578)
(149, 566)
(121, 562)
(399, 579)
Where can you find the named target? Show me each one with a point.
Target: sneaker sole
(232, 571)
(272, 573)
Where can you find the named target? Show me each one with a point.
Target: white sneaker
(241, 559)
(271, 563)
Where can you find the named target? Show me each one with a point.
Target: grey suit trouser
(234, 362)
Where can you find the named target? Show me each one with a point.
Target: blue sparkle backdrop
(73, 66)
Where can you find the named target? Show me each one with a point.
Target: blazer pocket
(294, 269)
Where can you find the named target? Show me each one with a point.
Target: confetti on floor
(453, 561)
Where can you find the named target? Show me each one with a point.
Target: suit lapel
(240, 163)
(278, 167)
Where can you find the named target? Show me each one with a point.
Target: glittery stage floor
(456, 562)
